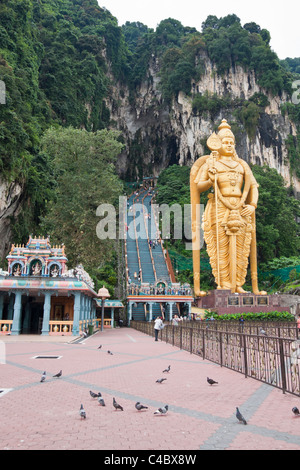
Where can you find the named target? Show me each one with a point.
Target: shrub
(249, 316)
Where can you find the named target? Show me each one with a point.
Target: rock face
(157, 135)
(10, 206)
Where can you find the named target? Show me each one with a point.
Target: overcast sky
(280, 18)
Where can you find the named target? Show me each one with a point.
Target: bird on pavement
(167, 369)
(43, 378)
(211, 381)
(140, 407)
(296, 411)
(240, 417)
(59, 374)
(161, 411)
(82, 412)
(109, 352)
(95, 395)
(116, 405)
(101, 401)
(160, 381)
(100, 346)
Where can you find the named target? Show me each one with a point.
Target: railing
(5, 327)
(284, 329)
(60, 328)
(274, 360)
(107, 323)
(96, 322)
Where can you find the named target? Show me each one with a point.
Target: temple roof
(37, 246)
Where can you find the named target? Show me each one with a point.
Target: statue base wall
(224, 302)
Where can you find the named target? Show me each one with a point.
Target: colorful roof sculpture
(40, 266)
(37, 258)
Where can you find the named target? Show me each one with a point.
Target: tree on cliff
(84, 170)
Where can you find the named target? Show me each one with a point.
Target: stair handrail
(136, 240)
(125, 238)
(147, 232)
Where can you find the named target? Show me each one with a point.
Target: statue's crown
(225, 130)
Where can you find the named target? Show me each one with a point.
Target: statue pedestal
(224, 302)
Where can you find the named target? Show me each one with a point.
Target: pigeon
(211, 381)
(160, 381)
(140, 407)
(95, 395)
(296, 411)
(43, 378)
(161, 411)
(240, 417)
(167, 369)
(59, 374)
(82, 412)
(101, 401)
(109, 352)
(116, 405)
(262, 332)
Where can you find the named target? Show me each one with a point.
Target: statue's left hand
(247, 210)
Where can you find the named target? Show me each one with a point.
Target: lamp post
(103, 294)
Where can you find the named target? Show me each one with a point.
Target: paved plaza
(45, 416)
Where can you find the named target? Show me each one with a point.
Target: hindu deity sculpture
(229, 217)
(36, 269)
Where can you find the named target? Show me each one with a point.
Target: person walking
(158, 325)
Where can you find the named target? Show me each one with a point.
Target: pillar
(86, 311)
(112, 317)
(150, 311)
(190, 311)
(77, 313)
(1, 305)
(46, 316)
(129, 313)
(90, 308)
(171, 310)
(16, 326)
(82, 311)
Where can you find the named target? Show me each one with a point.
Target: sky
(280, 18)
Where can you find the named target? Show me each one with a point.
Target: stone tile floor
(45, 416)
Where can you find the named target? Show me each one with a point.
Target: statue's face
(228, 146)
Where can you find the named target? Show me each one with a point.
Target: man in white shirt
(158, 325)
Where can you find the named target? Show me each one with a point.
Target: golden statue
(229, 217)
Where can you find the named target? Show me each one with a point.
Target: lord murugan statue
(229, 217)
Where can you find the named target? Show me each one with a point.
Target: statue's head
(223, 142)
(227, 138)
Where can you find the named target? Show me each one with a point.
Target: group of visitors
(153, 243)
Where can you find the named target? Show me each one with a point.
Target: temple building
(39, 295)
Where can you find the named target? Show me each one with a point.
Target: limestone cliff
(157, 135)
(10, 207)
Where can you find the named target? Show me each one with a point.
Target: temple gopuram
(39, 295)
